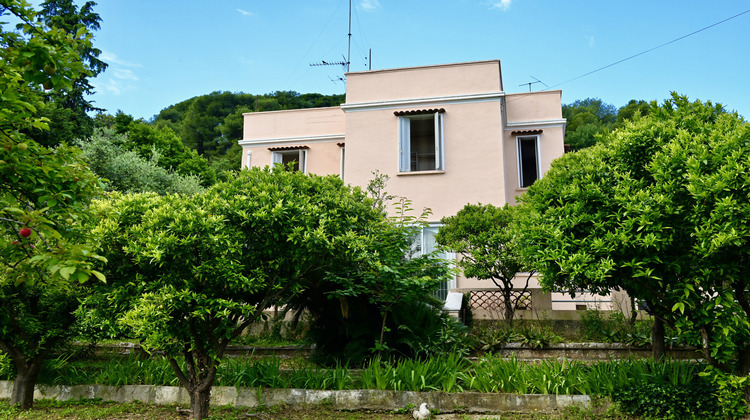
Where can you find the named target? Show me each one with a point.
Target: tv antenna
(347, 59)
(531, 83)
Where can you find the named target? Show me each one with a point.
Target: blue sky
(166, 51)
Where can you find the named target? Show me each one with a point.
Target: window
(528, 160)
(424, 243)
(296, 157)
(421, 140)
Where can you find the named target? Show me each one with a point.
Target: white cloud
(500, 4)
(370, 5)
(119, 76)
(245, 12)
(124, 74)
(109, 85)
(113, 60)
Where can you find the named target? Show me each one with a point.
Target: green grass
(94, 409)
(449, 373)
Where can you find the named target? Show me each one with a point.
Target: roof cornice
(441, 100)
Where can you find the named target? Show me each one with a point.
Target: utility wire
(651, 49)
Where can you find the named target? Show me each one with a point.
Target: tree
(43, 199)
(587, 119)
(125, 170)
(66, 106)
(192, 272)
(485, 237)
(660, 210)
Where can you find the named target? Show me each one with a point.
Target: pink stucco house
(446, 135)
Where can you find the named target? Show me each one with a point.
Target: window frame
(537, 160)
(277, 156)
(404, 141)
(417, 250)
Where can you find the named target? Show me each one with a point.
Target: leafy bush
(536, 337)
(442, 373)
(492, 336)
(413, 329)
(695, 400)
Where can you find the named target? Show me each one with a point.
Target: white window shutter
(404, 144)
(303, 161)
(438, 141)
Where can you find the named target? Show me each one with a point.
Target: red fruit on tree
(25, 232)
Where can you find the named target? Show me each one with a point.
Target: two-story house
(446, 135)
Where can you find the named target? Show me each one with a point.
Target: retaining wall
(342, 400)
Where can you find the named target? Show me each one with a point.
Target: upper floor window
(420, 140)
(528, 160)
(296, 157)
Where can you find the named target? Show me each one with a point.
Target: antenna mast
(344, 64)
(531, 83)
(349, 49)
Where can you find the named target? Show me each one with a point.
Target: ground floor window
(423, 242)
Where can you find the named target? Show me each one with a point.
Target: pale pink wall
(527, 112)
(423, 82)
(320, 129)
(293, 123)
(473, 157)
(323, 158)
(533, 106)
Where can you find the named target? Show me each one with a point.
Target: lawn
(92, 409)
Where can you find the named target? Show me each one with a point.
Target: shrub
(695, 400)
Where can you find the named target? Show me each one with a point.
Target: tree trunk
(199, 402)
(633, 311)
(657, 339)
(509, 307)
(23, 386)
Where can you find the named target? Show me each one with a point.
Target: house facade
(445, 135)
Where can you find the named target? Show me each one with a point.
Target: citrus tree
(46, 259)
(486, 238)
(661, 210)
(190, 273)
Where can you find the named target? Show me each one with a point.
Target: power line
(651, 49)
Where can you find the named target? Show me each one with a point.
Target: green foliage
(587, 120)
(657, 211)
(66, 106)
(192, 272)
(441, 373)
(44, 195)
(486, 238)
(655, 401)
(125, 171)
(211, 124)
(590, 120)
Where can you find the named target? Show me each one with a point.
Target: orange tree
(188, 274)
(43, 198)
(660, 209)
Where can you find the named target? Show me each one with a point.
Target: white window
(421, 142)
(424, 243)
(528, 160)
(297, 158)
